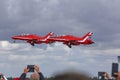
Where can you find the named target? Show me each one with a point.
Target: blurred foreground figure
(2, 77)
(37, 75)
(71, 76)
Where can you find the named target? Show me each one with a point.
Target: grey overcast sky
(75, 17)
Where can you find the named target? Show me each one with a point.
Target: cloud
(54, 58)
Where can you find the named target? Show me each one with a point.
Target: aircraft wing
(64, 41)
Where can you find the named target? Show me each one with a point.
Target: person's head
(2, 77)
(34, 76)
(71, 76)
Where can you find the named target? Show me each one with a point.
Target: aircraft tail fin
(48, 36)
(87, 35)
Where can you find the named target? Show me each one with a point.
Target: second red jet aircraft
(70, 40)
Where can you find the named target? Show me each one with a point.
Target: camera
(101, 73)
(31, 68)
(114, 69)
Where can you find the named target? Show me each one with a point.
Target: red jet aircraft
(72, 40)
(33, 39)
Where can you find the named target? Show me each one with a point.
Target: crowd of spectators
(37, 75)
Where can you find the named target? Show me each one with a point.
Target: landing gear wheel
(69, 45)
(32, 43)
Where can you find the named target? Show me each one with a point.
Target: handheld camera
(31, 68)
(101, 75)
(114, 69)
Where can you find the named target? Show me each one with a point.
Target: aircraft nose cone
(15, 37)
